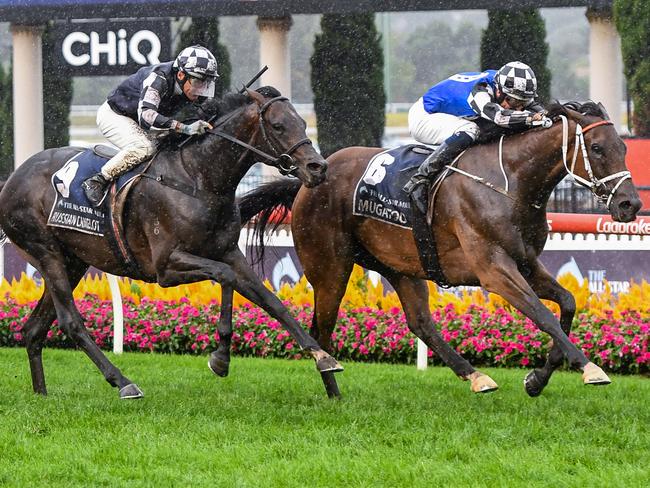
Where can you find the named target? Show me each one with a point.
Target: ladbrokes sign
(111, 48)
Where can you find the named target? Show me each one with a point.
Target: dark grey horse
(183, 231)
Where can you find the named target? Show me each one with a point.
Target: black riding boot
(95, 187)
(418, 186)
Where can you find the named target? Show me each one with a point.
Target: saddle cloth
(71, 209)
(379, 194)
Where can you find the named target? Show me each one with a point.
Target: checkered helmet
(517, 80)
(196, 61)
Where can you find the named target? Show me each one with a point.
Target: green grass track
(270, 424)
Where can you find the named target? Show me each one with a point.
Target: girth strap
(427, 249)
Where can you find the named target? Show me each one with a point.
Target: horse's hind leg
(219, 361)
(35, 333)
(548, 288)
(413, 294)
(37, 327)
(52, 265)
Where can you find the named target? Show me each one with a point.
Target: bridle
(593, 184)
(283, 160)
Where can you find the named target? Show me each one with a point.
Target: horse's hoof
(533, 385)
(482, 383)
(594, 375)
(130, 392)
(218, 366)
(328, 364)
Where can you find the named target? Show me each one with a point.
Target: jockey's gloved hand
(544, 122)
(197, 128)
(539, 119)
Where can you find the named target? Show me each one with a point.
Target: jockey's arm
(154, 88)
(482, 102)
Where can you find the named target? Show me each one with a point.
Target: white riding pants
(133, 141)
(437, 127)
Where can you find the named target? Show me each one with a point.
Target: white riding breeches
(133, 141)
(437, 127)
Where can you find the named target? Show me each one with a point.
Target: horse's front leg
(547, 288)
(251, 287)
(183, 267)
(219, 362)
(498, 273)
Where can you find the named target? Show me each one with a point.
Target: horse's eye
(278, 127)
(597, 148)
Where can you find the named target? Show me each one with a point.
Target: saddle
(379, 195)
(72, 210)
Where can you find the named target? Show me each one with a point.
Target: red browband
(596, 124)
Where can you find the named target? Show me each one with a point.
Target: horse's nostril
(315, 167)
(626, 205)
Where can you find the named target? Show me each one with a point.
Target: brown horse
(485, 235)
(181, 224)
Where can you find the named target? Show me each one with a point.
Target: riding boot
(418, 186)
(125, 160)
(95, 187)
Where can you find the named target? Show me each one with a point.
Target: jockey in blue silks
(445, 115)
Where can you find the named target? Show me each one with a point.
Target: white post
(422, 355)
(274, 52)
(27, 91)
(605, 63)
(118, 314)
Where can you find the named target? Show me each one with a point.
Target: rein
(283, 161)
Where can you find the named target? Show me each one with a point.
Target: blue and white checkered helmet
(197, 61)
(517, 80)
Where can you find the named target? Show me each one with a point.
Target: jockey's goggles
(201, 87)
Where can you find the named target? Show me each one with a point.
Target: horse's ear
(602, 108)
(256, 96)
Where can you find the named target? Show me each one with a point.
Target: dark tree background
(57, 97)
(347, 81)
(205, 31)
(517, 36)
(633, 23)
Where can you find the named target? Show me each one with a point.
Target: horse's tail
(271, 203)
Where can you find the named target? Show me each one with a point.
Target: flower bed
(612, 330)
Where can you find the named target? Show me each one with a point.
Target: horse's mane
(232, 101)
(585, 108)
(214, 108)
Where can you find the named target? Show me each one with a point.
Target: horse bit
(284, 162)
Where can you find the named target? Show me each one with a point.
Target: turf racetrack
(270, 424)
